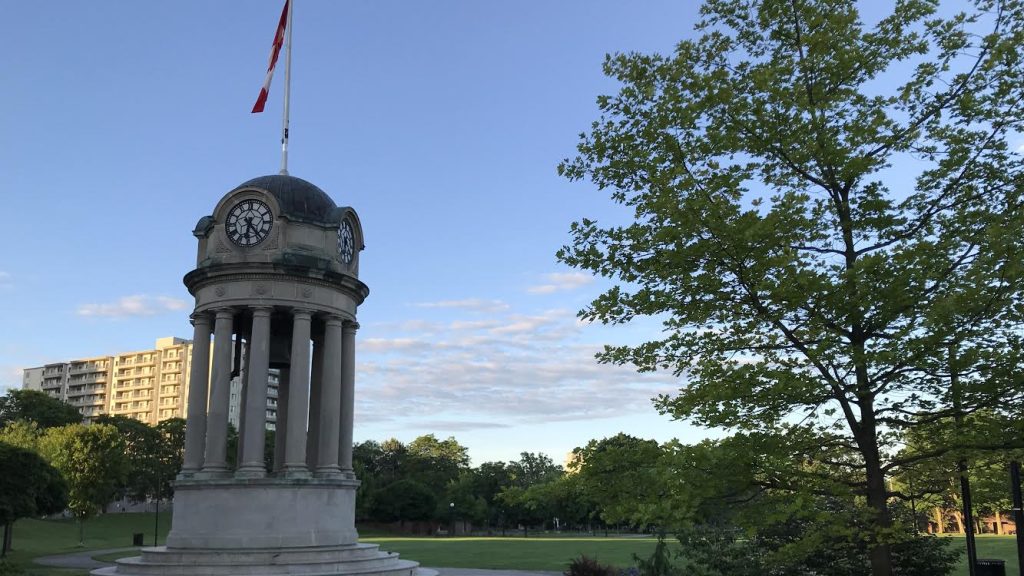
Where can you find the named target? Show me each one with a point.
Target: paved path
(83, 560)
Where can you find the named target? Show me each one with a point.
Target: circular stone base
(361, 559)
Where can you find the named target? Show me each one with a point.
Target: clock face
(249, 223)
(346, 242)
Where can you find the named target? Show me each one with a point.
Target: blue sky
(441, 122)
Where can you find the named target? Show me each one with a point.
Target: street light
(451, 507)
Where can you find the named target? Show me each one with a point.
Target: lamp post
(451, 507)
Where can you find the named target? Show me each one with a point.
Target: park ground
(37, 538)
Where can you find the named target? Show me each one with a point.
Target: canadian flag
(275, 50)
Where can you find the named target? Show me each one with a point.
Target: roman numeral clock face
(249, 223)
(346, 243)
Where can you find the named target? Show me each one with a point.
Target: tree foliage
(28, 487)
(92, 461)
(621, 474)
(38, 407)
(811, 290)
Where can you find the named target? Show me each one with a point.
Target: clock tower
(276, 285)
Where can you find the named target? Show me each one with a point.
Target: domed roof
(298, 199)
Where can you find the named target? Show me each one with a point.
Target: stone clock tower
(277, 276)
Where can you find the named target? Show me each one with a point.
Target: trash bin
(137, 539)
(990, 567)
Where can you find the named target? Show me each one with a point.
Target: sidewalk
(82, 560)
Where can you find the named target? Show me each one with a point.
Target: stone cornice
(208, 275)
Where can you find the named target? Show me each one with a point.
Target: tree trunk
(877, 494)
(881, 557)
(999, 523)
(958, 517)
(5, 543)
(940, 520)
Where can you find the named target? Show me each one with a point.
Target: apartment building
(148, 385)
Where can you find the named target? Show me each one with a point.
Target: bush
(659, 563)
(795, 548)
(584, 566)
(8, 568)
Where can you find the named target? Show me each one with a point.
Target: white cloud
(10, 378)
(1020, 147)
(137, 305)
(6, 280)
(561, 282)
(504, 371)
(471, 304)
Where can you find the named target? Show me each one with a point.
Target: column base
(296, 472)
(246, 472)
(212, 474)
(328, 472)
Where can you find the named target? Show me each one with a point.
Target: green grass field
(33, 538)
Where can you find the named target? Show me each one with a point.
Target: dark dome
(299, 200)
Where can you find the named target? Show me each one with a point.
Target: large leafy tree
(621, 475)
(92, 461)
(28, 487)
(38, 407)
(143, 452)
(828, 217)
(533, 469)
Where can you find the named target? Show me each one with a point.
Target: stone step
(164, 555)
(382, 564)
(390, 566)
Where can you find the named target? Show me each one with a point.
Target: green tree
(172, 452)
(143, 452)
(38, 407)
(93, 463)
(533, 469)
(28, 487)
(621, 475)
(22, 434)
(488, 480)
(435, 463)
(808, 289)
(405, 500)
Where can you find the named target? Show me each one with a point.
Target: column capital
(334, 320)
(199, 318)
(302, 313)
(260, 310)
(350, 326)
(224, 312)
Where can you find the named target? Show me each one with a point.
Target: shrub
(659, 563)
(8, 568)
(584, 566)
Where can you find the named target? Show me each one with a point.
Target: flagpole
(287, 89)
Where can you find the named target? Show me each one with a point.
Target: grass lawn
(34, 538)
(539, 553)
(990, 546)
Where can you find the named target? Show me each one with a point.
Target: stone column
(252, 464)
(298, 396)
(315, 400)
(348, 392)
(245, 355)
(220, 394)
(330, 404)
(195, 424)
(281, 426)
